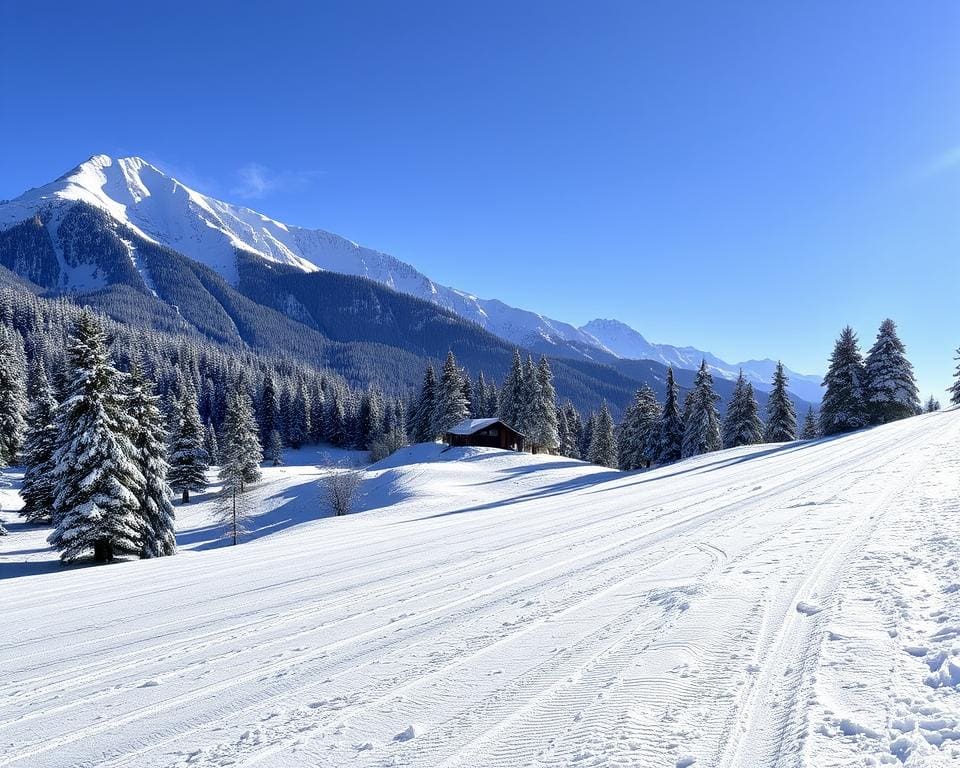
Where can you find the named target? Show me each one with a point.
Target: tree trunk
(102, 551)
(186, 496)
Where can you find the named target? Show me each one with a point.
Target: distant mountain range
(140, 206)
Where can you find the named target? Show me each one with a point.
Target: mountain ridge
(165, 211)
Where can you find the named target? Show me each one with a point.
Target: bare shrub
(339, 486)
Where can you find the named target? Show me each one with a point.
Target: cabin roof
(472, 426)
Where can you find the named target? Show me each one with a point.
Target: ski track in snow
(793, 605)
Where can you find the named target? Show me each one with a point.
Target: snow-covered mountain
(623, 341)
(163, 210)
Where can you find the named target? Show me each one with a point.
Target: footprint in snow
(410, 732)
(149, 684)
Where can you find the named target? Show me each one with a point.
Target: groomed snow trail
(792, 605)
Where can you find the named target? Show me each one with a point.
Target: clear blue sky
(746, 177)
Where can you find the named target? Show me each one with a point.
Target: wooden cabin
(486, 433)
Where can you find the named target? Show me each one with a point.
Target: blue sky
(746, 177)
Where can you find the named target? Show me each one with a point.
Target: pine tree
(156, 509)
(781, 415)
(844, 406)
(563, 433)
(233, 510)
(98, 482)
(422, 421)
(297, 415)
(13, 403)
(38, 489)
(889, 384)
(932, 405)
(638, 439)
(742, 424)
(529, 395)
(574, 430)
(210, 444)
(480, 406)
(491, 399)
(451, 406)
(188, 459)
(240, 451)
(542, 429)
(954, 389)
(371, 417)
(603, 445)
(269, 409)
(511, 394)
(273, 450)
(811, 429)
(335, 418)
(671, 424)
(701, 432)
(586, 436)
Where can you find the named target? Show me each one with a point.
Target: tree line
(110, 421)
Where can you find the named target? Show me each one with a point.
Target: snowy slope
(162, 209)
(623, 341)
(792, 605)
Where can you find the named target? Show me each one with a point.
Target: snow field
(780, 605)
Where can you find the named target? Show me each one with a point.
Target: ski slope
(787, 605)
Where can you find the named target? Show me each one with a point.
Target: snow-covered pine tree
(479, 404)
(467, 389)
(811, 429)
(603, 444)
(210, 443)
(563, 433)
(422, 421)
(240, 448)
(530, 394)
(701, 432)
(954, 389)
(491, 399)
(781, 415)
(335, 416)
(38, 490)
(670, 447)
(575, 429)
(844, 406)
(647, 434)
(273, 449)
(149, 441)
(451, 406)
(543, 413)
(742, 424)
(628, 437)
(188, 459)
(317, 410)
(13, 401)
(298, 415)
(98, 483)
(932, 405)
(889, 384)
(586, 436)
(269, 413)
(511, 394)
(371, 416)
